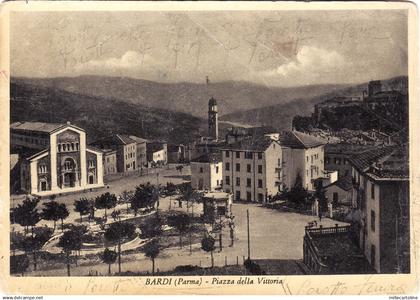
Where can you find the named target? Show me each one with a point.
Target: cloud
(129, 60)
(311, 65)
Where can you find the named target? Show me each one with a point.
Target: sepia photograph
(209, 142)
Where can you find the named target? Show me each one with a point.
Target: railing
(310, 256)
(328, 230)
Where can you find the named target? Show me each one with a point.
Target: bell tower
(213, 122)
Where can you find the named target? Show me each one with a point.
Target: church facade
(57, 158)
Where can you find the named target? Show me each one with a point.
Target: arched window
(72, 146)
(59, 147)
(64, 147)
(77, 146)
(69, 164)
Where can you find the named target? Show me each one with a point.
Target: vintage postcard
(209, 148)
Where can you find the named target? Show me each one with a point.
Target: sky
(273, 48)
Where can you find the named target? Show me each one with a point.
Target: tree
(50, 212)
(152, 250)
(32, 244)
(105, 201)
(19, 264)
(82, 206)
(26, 214)
(62, 213)
(297, 194)
(152, 227)
(116, 215)
(320, 195)
(207, 244)
(145, 196)
(170, 190)
(109, 257)
(126, 197)
(71, 240)
(118, 231)
(181, 222)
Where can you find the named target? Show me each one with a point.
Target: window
(259, 155)
(238, 195)
(372, 255)
(42, 169)
(259, 169)
(307, 158)
(59, 147)
(260, 197)
(238, 181)
(238, 167)
(217, 169)
(260, 183)
(227, 154)
(227, 166)
(248, 196)
(248, 155)
(327, 159)
(312, 159)
(227, 180)
(248, 182)
(248, 168)
(338, 161)
(238, 154)
(64, 147)
(217, 182)
(372, 220)
(372, 190)
(201, 169)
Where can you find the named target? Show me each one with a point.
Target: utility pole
(249, 245)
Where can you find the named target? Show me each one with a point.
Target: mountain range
(191, 98)
(176, 112)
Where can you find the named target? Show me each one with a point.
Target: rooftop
(216, 195)
(137, 139)
(341, 254)
(299, 140)
(37, 126)
(387, 163)
(115, 139)
(256, 131)
(344, 183)
(346, 148)
(213, 157)
(251, 144)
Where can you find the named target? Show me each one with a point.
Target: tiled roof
(362, 161)
(137, 139)
(36, 126)
(344, 183)
(346, 148)
(299, 140)
(115, 139)
(212, 157)
(251, 131)
(250, 144)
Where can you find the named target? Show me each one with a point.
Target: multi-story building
(303, 156)
(55, 158)
(236, 134)
(176, 153)
(206, 172)
(141, 151)
(157, 152)
(126, 151)
(252, 169)
(336, 157)
(110, 161)
(381, 198)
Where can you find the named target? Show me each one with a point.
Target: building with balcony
(382, 208)
(302, 156)
(55, 158)
(252, 169)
